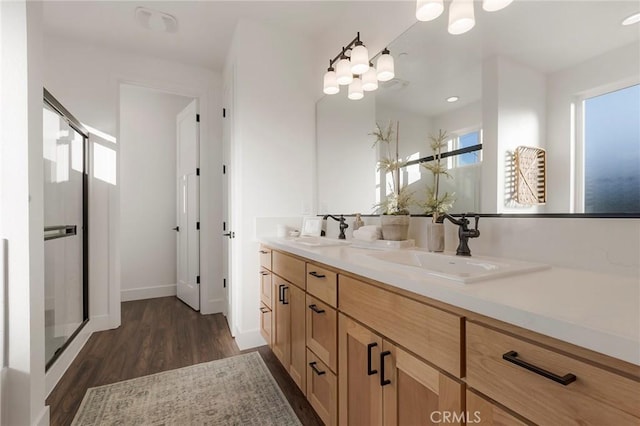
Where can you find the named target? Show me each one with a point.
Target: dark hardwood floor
(158, 335)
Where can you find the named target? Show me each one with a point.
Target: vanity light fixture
(353, 68)
(451, 99)
(495, 5)
(461, 12)
(428, 10)
(461, 17)
(633, 19)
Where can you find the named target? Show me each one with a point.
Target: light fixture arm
(343, 53)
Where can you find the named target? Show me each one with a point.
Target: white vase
(435, 237)
(395, 227)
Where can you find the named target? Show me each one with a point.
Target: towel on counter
(368, 233)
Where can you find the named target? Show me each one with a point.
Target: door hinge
(224, 169)
(224, 283)
(198, 279)
(197, 118)
(224, 226)
(198, 171)
(197, 225)
(224, 113)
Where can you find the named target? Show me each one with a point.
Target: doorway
(159, 198)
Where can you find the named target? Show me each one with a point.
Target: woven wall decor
(530, 176)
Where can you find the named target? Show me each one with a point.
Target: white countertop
(596, 311)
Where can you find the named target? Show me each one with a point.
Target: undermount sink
(457, 268)
(319, 241)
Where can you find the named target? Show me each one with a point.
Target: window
(462, 141)
(612, 152)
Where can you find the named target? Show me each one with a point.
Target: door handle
(229, 234)
(383, 381)
(284, 297)
(370, 371)
(177, 229)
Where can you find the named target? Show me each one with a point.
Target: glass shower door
(65, 213)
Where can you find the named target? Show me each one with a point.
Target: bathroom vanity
(371, 343)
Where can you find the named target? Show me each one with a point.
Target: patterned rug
(231, 391)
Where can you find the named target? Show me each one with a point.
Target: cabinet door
(322, 389)
(359, 387)
(322, 327)
(265, 288)
(482, 412)
(298, 367)
(282, 322)
(266, 323)
(415, 393)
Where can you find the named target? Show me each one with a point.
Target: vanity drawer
(266, 316)
(265, 257)
(289, 268)
(265, 287)
(323, 284)
(322, 331)
(597, 396)
(430, 333)
(322, 389)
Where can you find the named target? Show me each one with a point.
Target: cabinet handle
(511, 356)
(264, 310)
(315, 309)
(280, 293)
(315, 369)
(383, 381)
(264, 273)
(370, 371)
(284, 298)
(264, 252)
(317, 275)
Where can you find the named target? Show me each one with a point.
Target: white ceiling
(205, 28)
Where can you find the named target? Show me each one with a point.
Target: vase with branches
(399, 199)
(435, 204)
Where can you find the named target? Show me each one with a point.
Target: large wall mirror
(561, 77)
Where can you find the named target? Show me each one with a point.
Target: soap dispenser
(358, 222)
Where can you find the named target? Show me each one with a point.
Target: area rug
(231, 391)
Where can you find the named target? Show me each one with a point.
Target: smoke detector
(156, 20)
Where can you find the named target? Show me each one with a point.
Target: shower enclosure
(65, 144)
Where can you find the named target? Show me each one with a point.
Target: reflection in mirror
(531, 75)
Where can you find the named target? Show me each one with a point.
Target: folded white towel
(372, 233)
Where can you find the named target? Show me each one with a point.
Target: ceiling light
(359, 59)
(495, 5)
(461, 16)
(428, 10)
(355, 90)
(385, 67)
(370, 79)
(156, 20)
(452, 99)
(331, 86)
(633, 19)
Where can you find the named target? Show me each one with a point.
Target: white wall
(272, 150)
(148, 191)
(22, 208)
(564, 88)
(90, 89)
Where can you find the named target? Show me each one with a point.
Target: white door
(188, 197)
(226, 200)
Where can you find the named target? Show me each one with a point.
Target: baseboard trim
(60, 366)
(43, 418)
(147, 292)
(249, 339)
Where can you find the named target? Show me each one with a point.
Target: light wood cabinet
(266, 318)
(265, 257)
(281, 337)
(322, 389)
(265, 287)
(481, 411)
(322, 326)
(298, 366)
(323, 284)
(290, 268)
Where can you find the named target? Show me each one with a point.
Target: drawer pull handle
(315, 309)
(264, 310)
(280, 296)
(511, 356)
(370, 371)
(315, 369)
(317, 275)
(264, 273)
(383, 381)
(264, 252)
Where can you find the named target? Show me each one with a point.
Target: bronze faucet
(464, 233)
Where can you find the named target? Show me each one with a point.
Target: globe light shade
(385, 66)
(495, 5)
(343, 72)
(370, 80)
(359, 60)
(461, 17)
(331, 86)
(428, 10)
(355, 90)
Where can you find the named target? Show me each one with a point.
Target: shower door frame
(78, 127)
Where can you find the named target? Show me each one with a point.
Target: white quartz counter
(596, 311)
